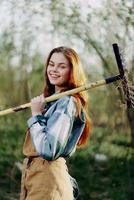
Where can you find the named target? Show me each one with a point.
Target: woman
(55, 130)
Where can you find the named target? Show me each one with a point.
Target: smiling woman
(58, 71)
(55, 130)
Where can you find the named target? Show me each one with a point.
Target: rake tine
(131, 87)
(131, 93)
(132, 102)
(123, 73)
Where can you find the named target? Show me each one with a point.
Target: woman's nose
(55, 68)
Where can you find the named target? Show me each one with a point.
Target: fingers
(42, 97)
(37, 104)
(38, 99)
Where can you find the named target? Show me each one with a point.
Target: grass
(109, 179)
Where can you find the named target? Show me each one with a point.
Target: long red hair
(77, 79)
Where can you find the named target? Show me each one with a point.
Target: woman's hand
(37, 104)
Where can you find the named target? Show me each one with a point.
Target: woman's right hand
(37, 104)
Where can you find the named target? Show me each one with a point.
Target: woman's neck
(60, 89)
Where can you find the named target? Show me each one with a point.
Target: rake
(127, 89)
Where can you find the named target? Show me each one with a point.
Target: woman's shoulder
(67, 102)
(68, 99)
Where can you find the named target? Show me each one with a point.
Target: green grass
(112, 179)
(12, 137)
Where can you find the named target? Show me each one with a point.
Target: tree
(98, 30)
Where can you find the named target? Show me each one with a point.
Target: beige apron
(42, 179)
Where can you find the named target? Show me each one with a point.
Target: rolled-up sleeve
(51, 136)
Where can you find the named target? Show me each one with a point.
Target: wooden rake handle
(76, 90)
(62, 94)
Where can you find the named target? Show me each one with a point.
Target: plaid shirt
(57, 132)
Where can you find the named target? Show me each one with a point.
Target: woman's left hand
(37, 104)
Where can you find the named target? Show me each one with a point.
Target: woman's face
(58, 71)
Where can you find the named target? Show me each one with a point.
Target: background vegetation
(29, 30)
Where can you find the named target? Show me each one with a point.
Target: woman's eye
(51, 65)
(62, 67)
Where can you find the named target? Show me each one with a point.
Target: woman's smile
(54, 75)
